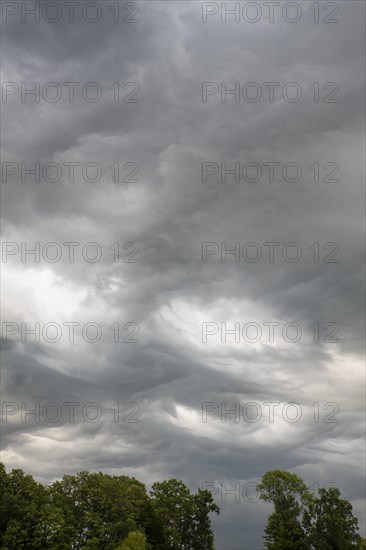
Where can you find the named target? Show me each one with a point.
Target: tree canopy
(302, 521)
(98, 511)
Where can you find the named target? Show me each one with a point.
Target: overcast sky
(168, 289)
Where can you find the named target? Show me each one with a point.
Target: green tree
(183, 517)
(22, 511)
(99, 510)
(96, 511)
(200, 531)
(171, 503)
(302, 521)
(134, 541)
(329, 522)
(288, 493)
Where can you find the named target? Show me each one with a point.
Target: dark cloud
(169, 213)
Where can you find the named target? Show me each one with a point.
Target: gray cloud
(170, 212)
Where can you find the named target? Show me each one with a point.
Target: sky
(205, 319)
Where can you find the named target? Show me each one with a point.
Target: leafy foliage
(286, 491)
(301, 521)
(134, 541)
(329, 522)
(96, 511)
(185, 517)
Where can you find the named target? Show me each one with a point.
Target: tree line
(98, 511)
(303, 521)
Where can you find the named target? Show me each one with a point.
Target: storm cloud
(209, 208)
